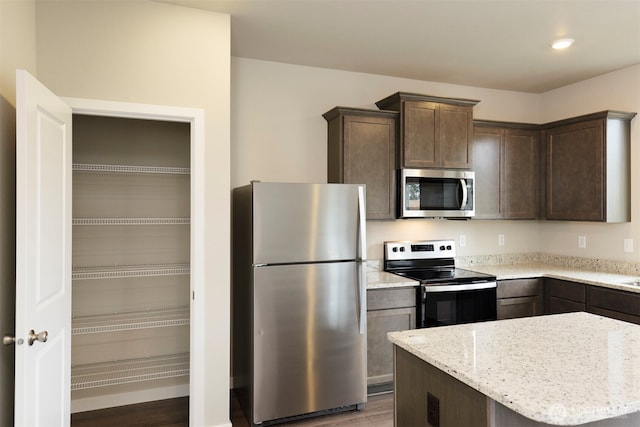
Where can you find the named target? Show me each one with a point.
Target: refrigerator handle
(362, 268)
(362, 219)
(362, 298)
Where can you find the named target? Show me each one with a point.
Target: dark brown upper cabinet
(588, 168)
(434, 132)
(506, 162)
(361, 149)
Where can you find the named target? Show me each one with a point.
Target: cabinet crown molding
(606, 114)
(336, 111)
(407, 96)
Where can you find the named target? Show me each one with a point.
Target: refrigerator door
(309, 339)
(307, 222)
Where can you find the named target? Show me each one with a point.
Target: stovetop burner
(458, 275)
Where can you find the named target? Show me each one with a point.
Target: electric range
(446, 295)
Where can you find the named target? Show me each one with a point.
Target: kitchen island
(563, 369)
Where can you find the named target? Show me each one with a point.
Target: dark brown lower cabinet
(388, 310)
(621, 305)
(562, 296)
(519, 298)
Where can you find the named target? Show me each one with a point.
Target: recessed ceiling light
(562, 43)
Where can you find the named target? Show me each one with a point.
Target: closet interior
(131, 261)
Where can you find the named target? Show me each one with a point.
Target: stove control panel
(419, 249)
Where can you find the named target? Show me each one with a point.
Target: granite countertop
(524, 271)
(382, 279)
(562, 369)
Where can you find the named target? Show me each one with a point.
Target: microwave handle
(463, 184)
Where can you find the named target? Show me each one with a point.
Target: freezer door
(309, 339)
(307, 222)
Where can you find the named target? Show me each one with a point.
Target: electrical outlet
(433, 410)
(582, 242)
(463, 240)
(628, 245)
(500, 239)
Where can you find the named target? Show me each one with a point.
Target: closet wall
(131, 261)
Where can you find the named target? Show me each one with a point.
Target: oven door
(455, 303)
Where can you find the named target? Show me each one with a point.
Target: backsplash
(591, 264)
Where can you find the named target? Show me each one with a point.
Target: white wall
(619, 90)
(278, 134)
(17, 50)
(148, 52)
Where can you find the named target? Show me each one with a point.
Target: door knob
(33, 337)
(9, 339)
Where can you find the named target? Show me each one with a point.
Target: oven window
(445, 312)
(451, 308)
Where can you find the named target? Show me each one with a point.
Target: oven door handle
(456, 287)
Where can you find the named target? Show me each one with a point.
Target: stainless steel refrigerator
(299, 299)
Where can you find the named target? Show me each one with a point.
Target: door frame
(195, 117)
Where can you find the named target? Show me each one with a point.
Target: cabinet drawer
(381, 299)
(560, 305)
(509, 308)
(519, 288)
(615, 315)
(614, 300)
(571, 291)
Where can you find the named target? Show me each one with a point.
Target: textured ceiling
(494, 44)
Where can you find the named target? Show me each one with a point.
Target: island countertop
(563, 369)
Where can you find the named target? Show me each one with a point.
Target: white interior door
(43, 255)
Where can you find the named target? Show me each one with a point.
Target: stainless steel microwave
(435, 193)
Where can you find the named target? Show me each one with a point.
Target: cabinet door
(519, 298)
(369, 158)
(455, 131)
(564, 297)
(487, 161)
(379, 348)
(575, 172)
(361, 149)
(614, 303)
(420, 148)
(520, 178)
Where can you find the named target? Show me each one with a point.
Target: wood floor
(378, 412)
(161, 413)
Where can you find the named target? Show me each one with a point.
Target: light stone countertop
(524, 271)
(382, 279)
(562, 369)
